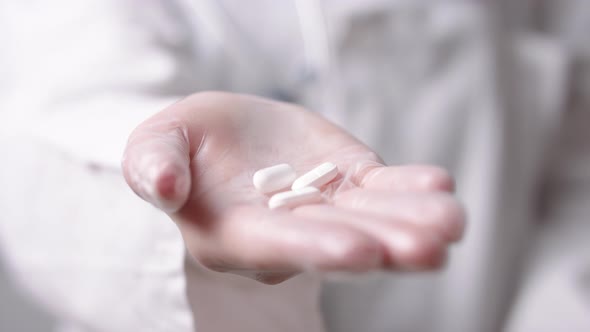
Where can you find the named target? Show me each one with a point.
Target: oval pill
(274, 178)
(294, 198)
(317, 177)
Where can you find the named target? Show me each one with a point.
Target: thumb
(156, 162)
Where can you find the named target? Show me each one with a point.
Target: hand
(195, 160)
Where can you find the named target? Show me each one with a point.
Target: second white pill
(317, 177)
(274, 178)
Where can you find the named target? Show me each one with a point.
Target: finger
(438, 212)
(407, 178)
(255, 238)
(407, 247)
(156, 163)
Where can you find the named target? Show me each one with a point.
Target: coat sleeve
(77, 76)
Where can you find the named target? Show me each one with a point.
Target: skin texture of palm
(195, 160)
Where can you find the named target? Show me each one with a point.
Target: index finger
(411, 178)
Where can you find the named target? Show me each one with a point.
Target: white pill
(294, 198)
(274, 178)
(317, 177)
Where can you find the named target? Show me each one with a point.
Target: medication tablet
(317, 177)
(294, 198)
(274, 178)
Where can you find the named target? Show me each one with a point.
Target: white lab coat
(457, 83)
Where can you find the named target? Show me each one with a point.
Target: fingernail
(171, 187)
(161, 183)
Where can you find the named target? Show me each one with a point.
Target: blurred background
(496, 91)
(17, 311)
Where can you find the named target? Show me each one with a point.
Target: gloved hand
(195, 161)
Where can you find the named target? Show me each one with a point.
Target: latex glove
(195, 160)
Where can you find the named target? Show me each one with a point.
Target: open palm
(195, 160)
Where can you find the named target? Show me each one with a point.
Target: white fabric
(442, 82)
(88, 250)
